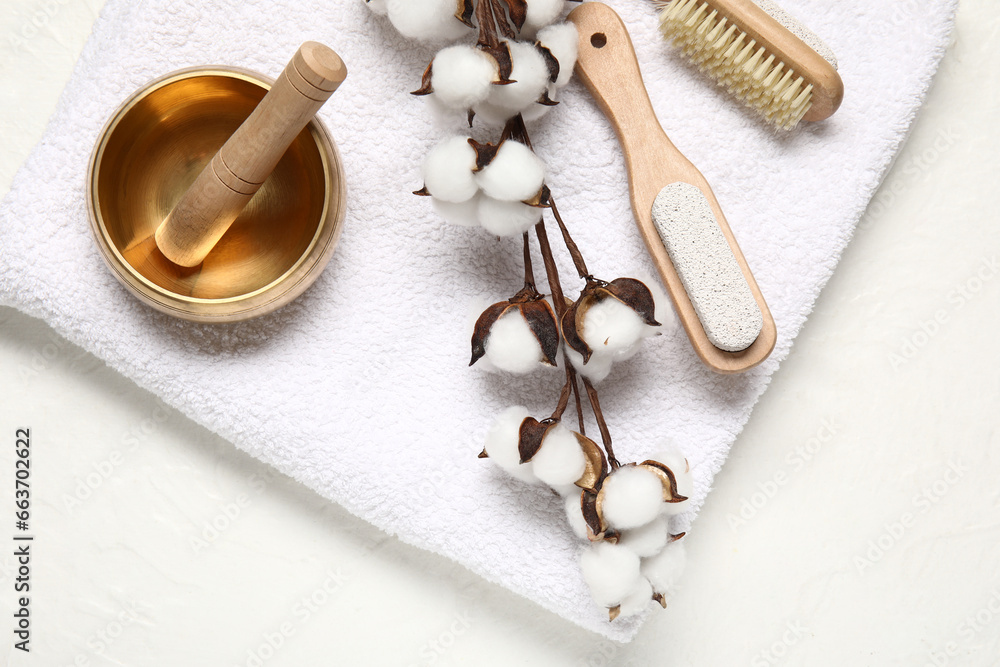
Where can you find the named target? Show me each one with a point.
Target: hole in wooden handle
(598, 40)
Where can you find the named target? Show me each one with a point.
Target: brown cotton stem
(574, 250)
(529, 273)
(564, 396)
(570, 387)
(551, 272)
(515, 128)
(576, 395)
(601, 424)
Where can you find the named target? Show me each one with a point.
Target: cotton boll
(377, 6)
(462, 76)
(501, 444)
(541, 13)
(638, 599)
(506, 218)
(514, 174)
(562, 40)
(427, 20)
(611, 571)
(664, 569)
(597, 367)
(632, 496)
(448, 170)
(574, 515)
(512, 347)
(458, 213)
(560, 460)
(531, 76)
(647, 540)
(612, 326)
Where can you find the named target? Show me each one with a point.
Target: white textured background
(834, 534)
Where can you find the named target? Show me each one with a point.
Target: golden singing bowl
(150, 152)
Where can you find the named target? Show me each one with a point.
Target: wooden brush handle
(608, 67)
(221, 191)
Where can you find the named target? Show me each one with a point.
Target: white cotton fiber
(448, 170)
(427, 20)
(562, 40)
(531, 76)
(462, 76)
(611, 326)
(536, 111)
(665, 568)
(670, 456)
(514, 174)
(597, 367)
(511, 346)
(501, 444)
(647, 540)
(541, 13)
(506, 218)
(627, 353)
(377, 6)
(487, 114)
(632, 497)
(663, 310)
(574, 515)
(611, 572)
(458, 213)
(566, 490)
(560, 460)
(638, 599)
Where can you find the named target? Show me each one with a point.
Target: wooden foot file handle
(715, 294)
(229, 181)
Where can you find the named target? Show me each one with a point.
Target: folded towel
(360, 388)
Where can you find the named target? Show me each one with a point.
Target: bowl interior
(153, 151)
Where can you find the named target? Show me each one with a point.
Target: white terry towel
(360, 388)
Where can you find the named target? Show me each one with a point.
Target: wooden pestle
(207, 209)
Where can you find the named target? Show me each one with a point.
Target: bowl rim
(266, 299)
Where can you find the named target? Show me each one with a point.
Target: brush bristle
(724, 52)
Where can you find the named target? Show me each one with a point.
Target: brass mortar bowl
(150, 152)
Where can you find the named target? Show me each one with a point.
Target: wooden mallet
(225, 186)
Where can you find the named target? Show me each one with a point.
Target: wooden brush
(716, 297)
(763, 56)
